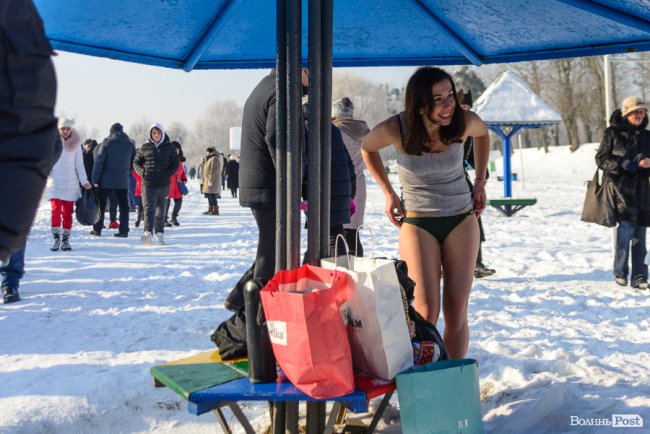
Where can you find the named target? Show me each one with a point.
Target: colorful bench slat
(509, 205)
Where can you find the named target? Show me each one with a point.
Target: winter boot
(10, 295)
(65, 240)
(56, 236)
(209, 211)
(159, 237)
(138, 218)
(146, 238)
(215, 210)
(168, 224)
(175, 220)
(114, 225)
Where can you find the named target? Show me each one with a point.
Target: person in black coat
(113, 162)
(156, 161)
(624, 157)
(89, 149)
(232, 175)
(257, 168)
(28, 126)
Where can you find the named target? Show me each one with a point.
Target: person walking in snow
(624, 157)
(67, 174)
(174, 192)
(353, 131)
(113, 163)
(156, 161)
(212, 179)
(439, 234)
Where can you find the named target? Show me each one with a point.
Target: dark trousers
(122, 201)
(113, 203)
(178, 203)
(14, 270)
(153, 199)
(265, 259)
(354, 242)
(212, 199)
(630, 235)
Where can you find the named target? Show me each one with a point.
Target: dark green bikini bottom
(439, 227)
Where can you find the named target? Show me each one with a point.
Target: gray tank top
(434, 183)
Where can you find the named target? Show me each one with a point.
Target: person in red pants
(67, 174)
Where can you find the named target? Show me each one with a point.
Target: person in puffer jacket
(67, 174)
(156, 161)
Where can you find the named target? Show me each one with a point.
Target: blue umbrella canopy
(223, 34)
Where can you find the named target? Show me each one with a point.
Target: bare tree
(213, 129)
(139, 131)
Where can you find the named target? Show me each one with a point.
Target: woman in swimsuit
(439, 233)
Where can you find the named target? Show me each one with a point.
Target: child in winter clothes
(67, 174)
(174, 191)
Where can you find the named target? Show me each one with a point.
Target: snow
(508, 100)
(555, 337)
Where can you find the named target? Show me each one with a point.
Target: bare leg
(421, 251)
(458, 259)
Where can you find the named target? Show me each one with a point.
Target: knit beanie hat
(343, 108)
(632, 103)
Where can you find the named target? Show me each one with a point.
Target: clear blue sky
(98, 92)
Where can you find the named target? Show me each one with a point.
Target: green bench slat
(187, 378)
(511, 201)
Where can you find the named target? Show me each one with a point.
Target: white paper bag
(379, 337)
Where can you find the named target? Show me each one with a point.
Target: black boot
(10, 295)
(175, 220)
(139, 217)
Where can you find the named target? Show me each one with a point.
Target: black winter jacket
(29, 128)
(113, 162)
(621, 142)
(257, 155)
(343, 180)
(156, 164)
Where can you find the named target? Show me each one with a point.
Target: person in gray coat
(111, 170)
(28, 126)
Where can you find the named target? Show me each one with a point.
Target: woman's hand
(480, 197)
(87, 186)
(394, 209)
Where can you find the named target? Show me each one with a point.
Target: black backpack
(424, 330)
(230, 336)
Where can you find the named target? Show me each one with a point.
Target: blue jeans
(14, 270)
(626, 233)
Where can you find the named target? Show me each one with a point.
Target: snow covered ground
(554, 335)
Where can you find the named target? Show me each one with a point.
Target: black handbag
(600, 203)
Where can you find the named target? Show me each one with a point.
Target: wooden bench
(209, 384)
(509, 205)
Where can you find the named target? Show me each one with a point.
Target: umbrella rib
(202, 44)
(610, 13)
(470, 53)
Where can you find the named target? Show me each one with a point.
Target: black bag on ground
(87, 208)
(424, 330)
(230, 336)
(600, 204)
(235, 299)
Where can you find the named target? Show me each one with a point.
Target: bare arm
(477, 129)
(383, 135)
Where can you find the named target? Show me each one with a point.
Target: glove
(353, 207)
(630, 166)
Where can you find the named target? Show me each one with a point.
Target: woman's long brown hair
(419, 97)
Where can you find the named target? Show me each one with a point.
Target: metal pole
(327, 19)
(314, 145)
(294, 130)
(607, 71)
(281, 136)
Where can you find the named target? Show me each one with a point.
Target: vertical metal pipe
(314, 144)
(281, 136)
(294, 130)
(327, 14)
(278, 409)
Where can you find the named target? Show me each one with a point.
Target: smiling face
(444, 104)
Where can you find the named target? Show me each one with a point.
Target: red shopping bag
(309, 338)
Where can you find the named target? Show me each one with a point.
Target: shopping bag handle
(372, 239)
(336, 250)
